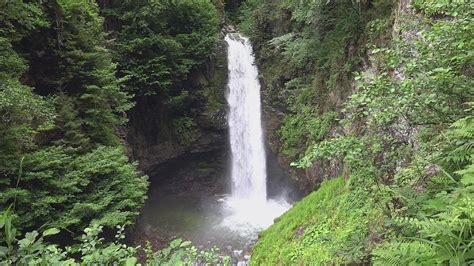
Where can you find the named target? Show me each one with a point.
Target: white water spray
(245, 127)
(248, 203)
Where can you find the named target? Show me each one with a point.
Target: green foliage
(160, 42)
(297, 132)
(460, 141)
(181, 252)
(33, 250)
(68, 125)
(407, 138)
(69, 191)
(11, 63)
(256, 16)
(29, 250)
(327, 30)
(62, 164)
(93, 250)
(350, 149)
(443, 226)
(186, 129)
(403, 253)
(18, 19)
(160, 48)
(22, 114)
(432, 93)
(309, 55)
(440, 219)
(67, 56)
(61, 161)
(330, 226)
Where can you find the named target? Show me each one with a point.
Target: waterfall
(249, 209)
(245, 127)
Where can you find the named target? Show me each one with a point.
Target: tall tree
(62, 161)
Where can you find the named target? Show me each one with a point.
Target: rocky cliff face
(275, 109)
(153, 143)
(304, 180)
(329, 88)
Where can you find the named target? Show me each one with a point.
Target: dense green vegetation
(62, 163)
(331, 225)
(404, 134)
(379, 89)
(93, 250)
(307, 63)
(159, 44)
(158, 47)
(69, 72)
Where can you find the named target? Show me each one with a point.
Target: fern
(461, 139)
(403, 253)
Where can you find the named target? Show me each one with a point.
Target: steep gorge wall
(151, 140)
(396, 136)
(307, 96)
(180, 106)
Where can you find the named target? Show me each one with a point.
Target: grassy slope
(331, 225)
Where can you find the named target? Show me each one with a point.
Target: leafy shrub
(185, 129)
(93, 250)
(181, 252)
(300, 130)
(67, 190)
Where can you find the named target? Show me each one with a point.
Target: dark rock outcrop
(153, 142)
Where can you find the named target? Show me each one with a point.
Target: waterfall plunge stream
(185, 203)
(250, 211)
(245, 127)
